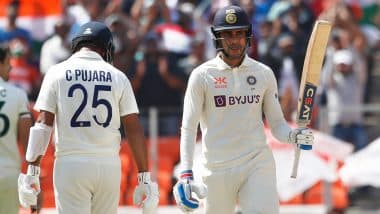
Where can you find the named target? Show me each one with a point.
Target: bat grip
(297, 154)
(297, 158)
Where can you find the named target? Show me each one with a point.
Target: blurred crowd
(159, 42)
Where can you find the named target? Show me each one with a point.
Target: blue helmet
(231, 17)
(94, 34)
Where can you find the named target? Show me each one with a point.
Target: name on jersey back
(88, 75)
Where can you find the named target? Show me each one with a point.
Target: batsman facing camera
(226, 97)
(232, 18)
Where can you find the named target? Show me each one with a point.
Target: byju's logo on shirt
(220, 82)
(223, 100)
(220, 101)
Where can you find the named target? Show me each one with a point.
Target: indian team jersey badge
(251, 80)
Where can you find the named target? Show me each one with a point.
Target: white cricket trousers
(252, 185)
(87, 185)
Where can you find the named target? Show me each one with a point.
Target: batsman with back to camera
(86, 98)
(15, 121)
(228, 95)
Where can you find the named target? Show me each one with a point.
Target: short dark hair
(4, 50)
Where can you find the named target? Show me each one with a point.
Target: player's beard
(234, 52)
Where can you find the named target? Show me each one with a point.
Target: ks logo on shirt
(220, 82)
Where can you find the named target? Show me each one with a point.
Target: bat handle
(297, 154)
(297, 158)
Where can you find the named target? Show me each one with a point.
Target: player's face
(234, 42)
(5, 67)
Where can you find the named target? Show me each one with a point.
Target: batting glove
(302, 137)
(146, 193)
(184, 189)
(29, 186)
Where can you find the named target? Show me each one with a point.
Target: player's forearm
(192, 112)
(136, 139)
(188, 138)
(275, 118)
(139, 150)
(281, 131)
(189, 128)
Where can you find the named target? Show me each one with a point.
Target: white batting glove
(148, 189)
(302, 137)
(29, 186)
(184, 189)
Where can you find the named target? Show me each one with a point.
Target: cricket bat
(311, 71)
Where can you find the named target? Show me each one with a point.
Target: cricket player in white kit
(86, 98)
(15, 121)
(228, 96)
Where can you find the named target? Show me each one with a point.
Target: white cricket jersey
(88, 96)
(13, 105)
(229, 103)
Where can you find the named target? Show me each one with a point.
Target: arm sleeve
(273, 112)
(127, 103)
(47, 97)
(192, 110)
